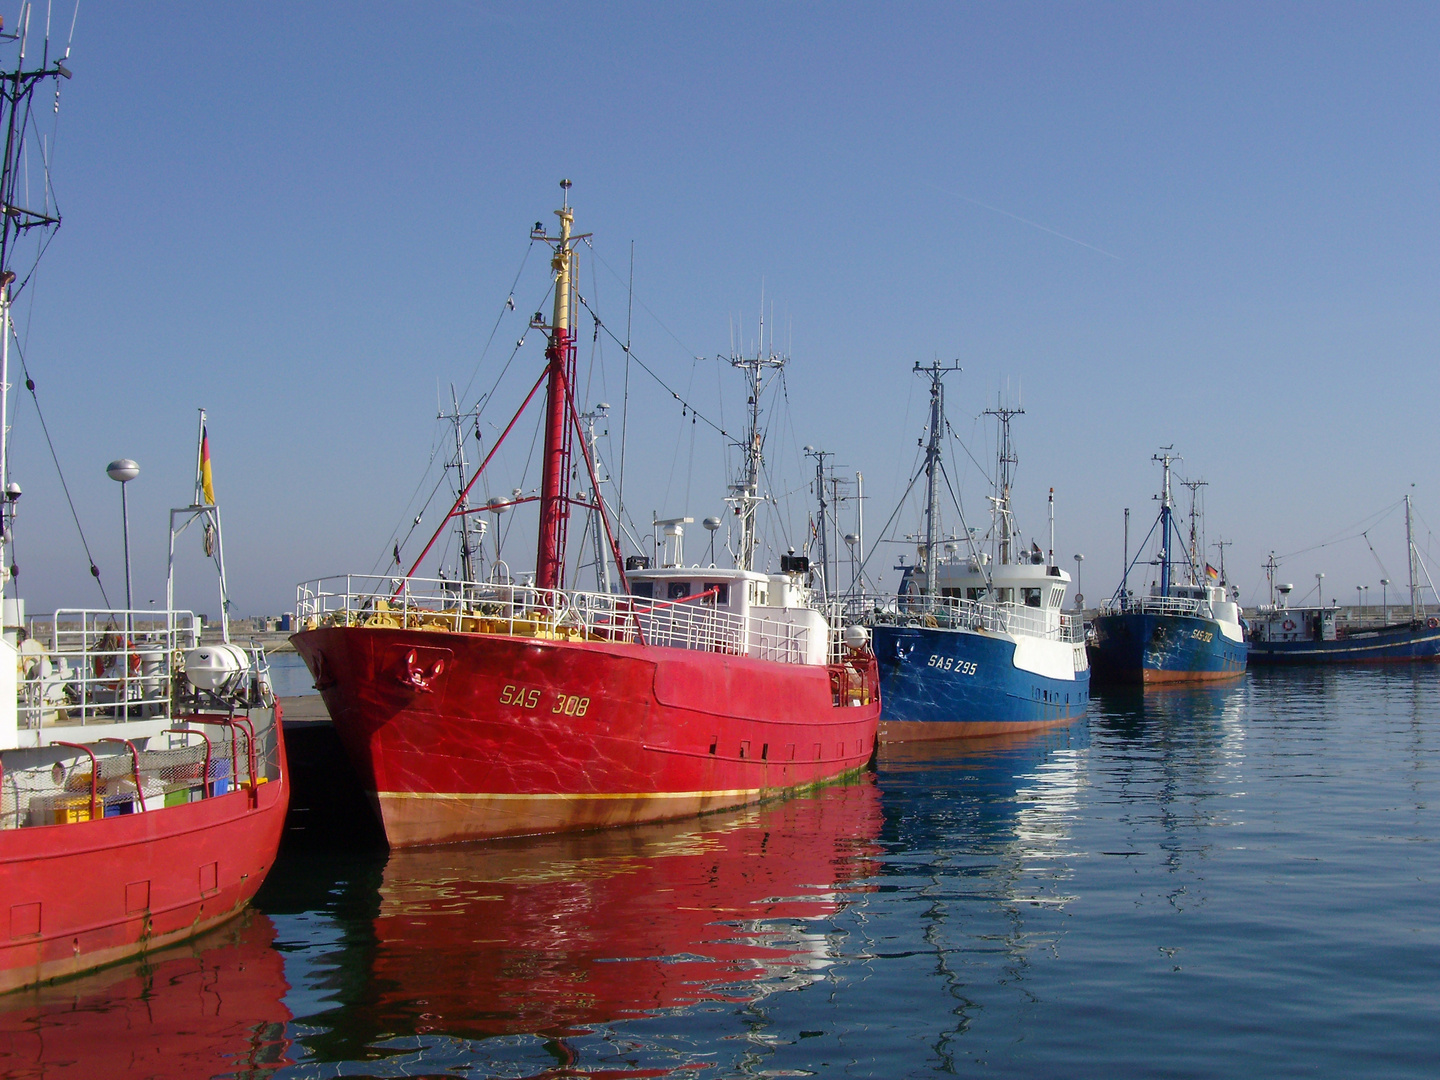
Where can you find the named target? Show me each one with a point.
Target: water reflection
(979, 833)
(212, 1007)
(547, 938)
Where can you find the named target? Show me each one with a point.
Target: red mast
(555, 465)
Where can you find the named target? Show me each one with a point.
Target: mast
(462, 511)
(597, 527)
(745, 495)
(937, 375)
(1125, 559)
(1410, 561)
(1165, 504)
(1222, 545)
(1008, 462)
(821, 523)
(1197, 539)
(1050, 555)
(16, 90)
(560, 354)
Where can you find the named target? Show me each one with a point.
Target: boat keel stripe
(572, 797)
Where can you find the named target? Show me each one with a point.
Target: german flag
(207, 485)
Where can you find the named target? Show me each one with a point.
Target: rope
(30, 385)
(630, 354)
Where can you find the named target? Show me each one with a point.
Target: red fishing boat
(482, 709)
(142, 776)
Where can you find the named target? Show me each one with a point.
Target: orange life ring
(1433, 623)
(1289, 625)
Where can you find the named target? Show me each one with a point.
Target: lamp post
(1358, 594)
(123, 471)
(1385, 599)
(1079, 592)
(1366, 606)
(1319, 591)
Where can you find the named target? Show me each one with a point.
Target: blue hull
(1388, 645)
(945, 684)
(1136, 647)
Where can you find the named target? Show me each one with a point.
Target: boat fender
(1432, 622)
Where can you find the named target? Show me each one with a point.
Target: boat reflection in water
(547, 936)
(210, 1007)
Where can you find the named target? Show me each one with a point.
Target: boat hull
(1149, 649)
(515, 735)
(946, 684)
(92, 893)
(1386, 645)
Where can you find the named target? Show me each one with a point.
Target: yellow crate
(59, 809)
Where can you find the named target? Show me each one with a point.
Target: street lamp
(1319, 591)
(1385, 598)
(1358, 594)
(1079, 593)
(122, 472)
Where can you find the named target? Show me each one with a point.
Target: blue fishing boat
(1181, 632)
(975, 642)
(1280, 634)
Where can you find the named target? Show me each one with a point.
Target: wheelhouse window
(677, 590)
(1031, 597)
(643, 588)
(721, 590)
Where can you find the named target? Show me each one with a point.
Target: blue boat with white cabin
(976, 642)
(1181, 631)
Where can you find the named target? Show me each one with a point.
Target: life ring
(1433, 623)
(1289, 625)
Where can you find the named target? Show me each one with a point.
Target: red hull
(511, 735)
(897, 731)
(96, 892)
(1182, 678)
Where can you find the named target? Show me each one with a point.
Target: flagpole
(199, 461)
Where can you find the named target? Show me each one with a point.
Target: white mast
(745, 495)
(1410, 560)
(1008, 461)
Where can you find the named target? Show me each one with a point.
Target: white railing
(1155, 605)
(86, 668)
(954, 613)
(525, 611)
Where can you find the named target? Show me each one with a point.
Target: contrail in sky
(1026, 221)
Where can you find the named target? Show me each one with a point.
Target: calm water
(1237, 882)
(289, 675)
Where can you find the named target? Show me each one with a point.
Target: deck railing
(952, 612)
(696, 622)
(1155, 605)
(88, 669)
(205, 757)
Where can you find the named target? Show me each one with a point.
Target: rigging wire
(509, 305)
(30, 385)
(684, 403)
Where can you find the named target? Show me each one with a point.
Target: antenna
(1008, 462)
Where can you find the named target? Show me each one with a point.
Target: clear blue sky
(1215, 226)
